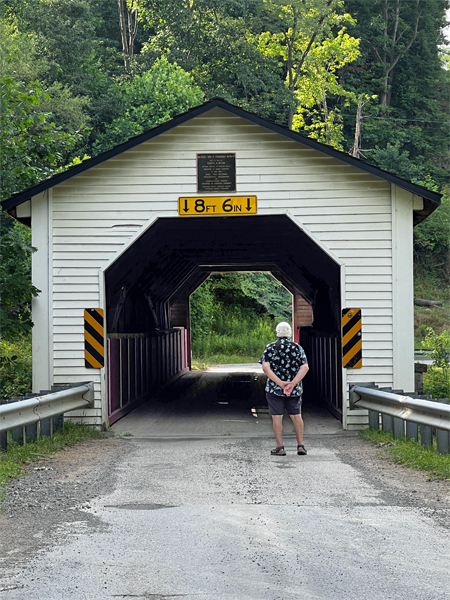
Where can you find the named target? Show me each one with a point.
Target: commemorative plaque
(216, 172)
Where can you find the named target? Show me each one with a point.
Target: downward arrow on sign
(186, 206)
(249, 206)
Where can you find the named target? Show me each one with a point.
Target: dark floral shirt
(285, 358)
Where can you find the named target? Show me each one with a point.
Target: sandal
(301, 449)
(278, 451)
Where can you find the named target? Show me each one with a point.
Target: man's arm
(300, 374)
(271, 375)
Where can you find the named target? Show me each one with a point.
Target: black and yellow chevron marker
(94, 345)
(351, 338)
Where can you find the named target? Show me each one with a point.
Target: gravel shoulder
(48, 501)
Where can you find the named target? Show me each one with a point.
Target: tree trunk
(130, 23)
(357, 142)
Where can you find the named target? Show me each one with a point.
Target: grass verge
(201, 364)
(410, 454)
(12, 461)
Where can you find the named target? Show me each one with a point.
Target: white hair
(283, 329)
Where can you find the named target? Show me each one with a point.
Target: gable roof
(431, 199)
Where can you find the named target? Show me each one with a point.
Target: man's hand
(287, 389)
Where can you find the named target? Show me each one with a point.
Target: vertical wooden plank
(125, 398)
(113, 375)
(402, 288)
(41, 304)
(142, 370)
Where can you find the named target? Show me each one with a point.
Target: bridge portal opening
(233, 316)
(148, 289)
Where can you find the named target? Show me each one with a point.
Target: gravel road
(215, 518)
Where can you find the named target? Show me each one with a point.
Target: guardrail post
(387, 423)
(412, 431)
(426, 435)
(398, 428)
(18, 433)
(442, 436)
(45, 425)
(31, 431)
(3, 435)
(374, 419)
(57, 422)
(393, 425)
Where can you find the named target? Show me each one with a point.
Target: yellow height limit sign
(209, 206)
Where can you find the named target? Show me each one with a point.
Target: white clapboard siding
(73, 353)
(95, 213)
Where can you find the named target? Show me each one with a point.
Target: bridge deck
(226, 401)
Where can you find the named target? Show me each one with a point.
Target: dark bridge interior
(149, 285)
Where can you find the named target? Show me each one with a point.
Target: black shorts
(277, 404)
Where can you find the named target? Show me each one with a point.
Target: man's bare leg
(277, 423)
(298, 427)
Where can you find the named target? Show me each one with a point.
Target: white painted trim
(41, 305)
(344, 371)
(103, 382)
(130, 242)
(306, 230)
(151, 222)
(50, 286)
(402, 289)
(265, 212)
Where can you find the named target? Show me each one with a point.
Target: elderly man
(285, 364)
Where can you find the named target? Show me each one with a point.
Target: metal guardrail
(401, 414)
(38, 409)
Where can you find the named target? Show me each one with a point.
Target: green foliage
(65, 30)
(15, 279)
(148, 100)
(401, 62)
(15, 367)
(65, 94)
(32, 147)
(432, 236)
(275, 298)
(410, 454)
(243, 338)
(234, 314)
(301, 34)
(437, 378)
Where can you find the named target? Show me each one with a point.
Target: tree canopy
(100, 72)
(78, 77)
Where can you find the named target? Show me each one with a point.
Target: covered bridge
(124, 238)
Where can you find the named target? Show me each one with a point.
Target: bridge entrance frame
(327, 382)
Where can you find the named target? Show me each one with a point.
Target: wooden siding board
(348, 229)
(355, 236)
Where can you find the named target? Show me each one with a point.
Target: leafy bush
(15, 278)
(437, 378)
(15, 367)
